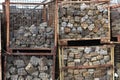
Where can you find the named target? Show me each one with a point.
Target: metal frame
(7, 11)
(102, 39)
(53, 68)
(62, 67)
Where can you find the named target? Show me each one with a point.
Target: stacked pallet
(85, 21)
(31, 41)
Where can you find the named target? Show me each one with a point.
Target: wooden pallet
(63, 67)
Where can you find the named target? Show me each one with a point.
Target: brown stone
(76, 72)
(67, 30)
(70, 71)
(84, 25)
(86, 74)
(71, 64)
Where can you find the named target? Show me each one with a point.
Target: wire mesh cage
(87, 56)
(30, 25)
(29, 68)
(88, 74)
(115, 22)
(30, 1)
(80, 20)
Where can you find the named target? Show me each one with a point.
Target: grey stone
(29, 78)
(35, 74)
(8, 75)
(102, 61)
(21, 71)
(14, 77)
(33, 29)
(91, 27)
(77, 18)
(43, 75)
(63, 24)
(103, 52)
(87, 50)
(73, 30)
(107, 58)
(50, 62)
(79, 29)
(34, 60)
(96, 63)
(19, 63)
(36, 79)
(44, 24)
(43, 68)
(12, 70)
(91, 12)
(83, 6)
(21, 78)
(48, 29)
(70, 25)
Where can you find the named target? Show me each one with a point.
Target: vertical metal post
(0, 52)
(7, 10)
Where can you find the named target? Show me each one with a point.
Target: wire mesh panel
(88, 74)
(29, 68)
(83, 20)
(87, 56)
(31, 25)
(115, 19)
(29, 1)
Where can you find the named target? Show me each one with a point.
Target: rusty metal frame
(7, 13)
(53, 67)
(102, 39)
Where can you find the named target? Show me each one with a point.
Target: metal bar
(0, 51)
(87, 67)
(28, 54)
(7, 8)
(95, 1)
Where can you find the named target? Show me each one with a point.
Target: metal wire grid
(28, 14)
(29, 1)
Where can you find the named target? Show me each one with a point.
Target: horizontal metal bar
(87, 67)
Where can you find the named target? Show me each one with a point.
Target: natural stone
(14, 77)
(19, 63)
(29, 68)
(21, 71)
(34, 60)
(12, 70)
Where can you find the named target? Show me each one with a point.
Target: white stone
(96, 78)
(70, 25)
(63, 24)
(83, 6)
(91, 27)
(87, 50)
(76, 60)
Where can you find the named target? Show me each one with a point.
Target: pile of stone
(83, 21)
(115, 22)
(29, 68)
(88, 74)
(41, 36)
(87, 56)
